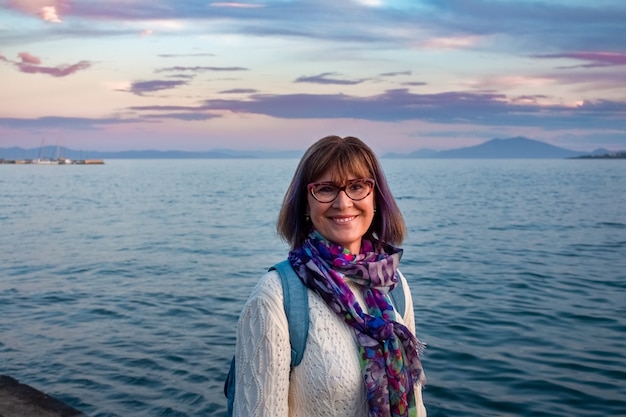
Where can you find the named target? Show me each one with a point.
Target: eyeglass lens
(355, 190)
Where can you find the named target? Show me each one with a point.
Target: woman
(361, 359)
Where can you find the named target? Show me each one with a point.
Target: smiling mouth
(343, 220)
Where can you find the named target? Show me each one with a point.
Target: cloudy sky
(279, 74)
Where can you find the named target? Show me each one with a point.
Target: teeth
(343, 219)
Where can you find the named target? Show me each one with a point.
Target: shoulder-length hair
(342, 157)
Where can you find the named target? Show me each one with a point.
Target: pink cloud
(235, 5)
(29, 59)
(58, 71)
(31, 64)
(49, 14)
(47, 10)
(458, 42)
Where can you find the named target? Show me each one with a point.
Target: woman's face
(342, 221)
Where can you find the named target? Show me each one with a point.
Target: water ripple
(121, 298)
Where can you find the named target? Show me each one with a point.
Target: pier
(60, 161)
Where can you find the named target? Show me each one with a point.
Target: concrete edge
(19, 400)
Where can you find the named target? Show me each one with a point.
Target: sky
(402, 75)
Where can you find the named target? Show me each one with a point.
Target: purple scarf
(388, 351)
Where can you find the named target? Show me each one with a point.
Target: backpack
(296, 304)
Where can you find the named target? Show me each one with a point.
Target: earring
(307, 217)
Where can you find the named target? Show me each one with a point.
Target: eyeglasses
(327, 192)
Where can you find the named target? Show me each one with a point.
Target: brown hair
(342, 157)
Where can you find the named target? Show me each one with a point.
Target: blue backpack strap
(296, 303)
(397, 297)
(229, 388)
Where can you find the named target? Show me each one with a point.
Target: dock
(60, 161)
(21, 400)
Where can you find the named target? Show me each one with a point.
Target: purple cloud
(182, 76)
(486, 109)
(59, 71)
(395, 74)
(200, 69)
(392, 105)
(141, 87)
(559, 25)
(482, 109)
(190, 117)
(30, 64)
(165, 108)
(53, 122)
(239, 91)
(83, 123)
(323, 79)
(595, 59)
(187, 113)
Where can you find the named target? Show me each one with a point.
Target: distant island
(510, 148)
(52, 161)
(16, 153)
(608, 155)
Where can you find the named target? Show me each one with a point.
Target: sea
(121, 284)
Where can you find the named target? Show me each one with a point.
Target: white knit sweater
(328, 381)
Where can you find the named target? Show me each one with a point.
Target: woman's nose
(342, 200)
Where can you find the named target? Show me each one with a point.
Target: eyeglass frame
(343, 188)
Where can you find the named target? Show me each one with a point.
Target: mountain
(422, 153)
(54, 152)
(600, 152)
(511, 148)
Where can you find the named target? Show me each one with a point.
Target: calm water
(120, 285)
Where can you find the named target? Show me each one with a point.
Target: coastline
(611, 155)
(60, 161)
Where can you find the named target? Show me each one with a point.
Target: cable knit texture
(327, 383)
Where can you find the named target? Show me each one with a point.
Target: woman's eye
(357, 186)
(326, 189)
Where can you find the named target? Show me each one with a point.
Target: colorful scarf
(389, 352)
